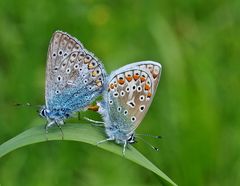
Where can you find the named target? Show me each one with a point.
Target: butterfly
(127, 97)
(74, 78)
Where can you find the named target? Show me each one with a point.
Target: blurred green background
(196, 107)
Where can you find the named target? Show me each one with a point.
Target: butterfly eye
(43, 113)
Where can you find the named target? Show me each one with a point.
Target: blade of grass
(78, 132)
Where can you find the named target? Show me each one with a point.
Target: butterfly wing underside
(74, 77)
(130, 92)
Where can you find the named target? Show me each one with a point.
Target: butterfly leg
(103, 141)
(124, 148)
(46, 128)
(59, 126)
(94, 122)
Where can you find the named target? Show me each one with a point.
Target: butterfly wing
(130, 92)
(74, 77)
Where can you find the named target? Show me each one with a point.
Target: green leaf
(83, 133)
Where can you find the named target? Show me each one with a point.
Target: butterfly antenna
(149, 135)
(154, 148)
(61, 130)
(26, 105)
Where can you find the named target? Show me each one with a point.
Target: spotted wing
(74, 77)
(130, 93)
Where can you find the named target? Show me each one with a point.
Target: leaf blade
(78, 132)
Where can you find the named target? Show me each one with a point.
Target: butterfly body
(74, 78)
(128, 94)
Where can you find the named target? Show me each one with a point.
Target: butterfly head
(43, 112)
(56, 115)
(131, 139)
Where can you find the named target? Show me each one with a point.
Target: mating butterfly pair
(75, 78)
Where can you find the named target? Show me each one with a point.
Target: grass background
(196, 107)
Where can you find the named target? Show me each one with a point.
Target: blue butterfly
(127, 97)
(74, 78)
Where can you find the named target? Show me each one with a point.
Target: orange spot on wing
(90, 66)
(135, 77)
(147, 87)
(129, 78)
(121, 81)
(99, 83)
(143, 79)
(149, 94)
(111, 86)
(86, 61)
